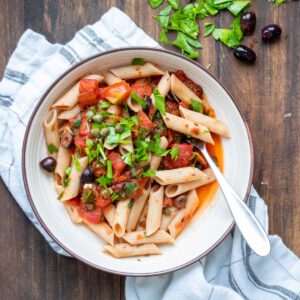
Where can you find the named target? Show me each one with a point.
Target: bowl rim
(52, 235)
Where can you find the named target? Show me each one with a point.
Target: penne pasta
(126, 148)
(73, 213)
(51, 132)
(140, 237)
(156, 160)
(72, 189)
(136, 107)
(179, 175)
(63, 161)
(109, 213)
(154, 209)
(103, 230)
(126, 250)
(110, 78)
(137, 208)
(69, 99)
(69, 114)
(182, 91)
(121, 217)
(142, 219)
(173, 190)
(188, 127)
(166, 219)
(184, 215)
(212, 124)
(136, 71)
(163, 86)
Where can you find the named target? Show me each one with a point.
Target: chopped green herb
(141, 153)
(162, 20)
(68, 171)
(138, 61)
(196, 105)
(174, 152)
(155, 3)
(149, 173)
(237, 6)
(115, 196)
(89, 143)
(104, 105)
(136, 98)
(76, 163)
(185, 44)
(163, 38)
(52, 148)
(159, 102)
(87, 196)
(109, 172)
(145, 234)
(130, 187)
(130, 203)
(128, 158)
(174, 4)
(278, 2)
(104, 181)
(209, 28)
(166, 11)
(66, 181)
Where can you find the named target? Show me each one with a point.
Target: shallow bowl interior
(204, 232)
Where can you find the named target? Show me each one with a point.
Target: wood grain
(267, 93)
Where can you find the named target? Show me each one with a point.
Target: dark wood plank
(265, 92)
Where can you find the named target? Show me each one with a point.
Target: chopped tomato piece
(117, 92)
(172, 108)
(144, 120)
(196, 88)
(184, 157)
(88, 85)
(99, 172)
(168, 201)
(155, 80)
(142, 87)
(99, 93)
(117, 163)
(171, 134)
(93, 216)
(80, 142)
(73, 202)
(184, 105)
(87, 98)
(121, 178)
(84, 128)
(141, 183)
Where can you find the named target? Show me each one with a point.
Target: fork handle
(247, 223)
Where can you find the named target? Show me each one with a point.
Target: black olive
(180, 201)
(244, 54)
(148, 101)
(248, 22)
(87, 176)
(270, 33)
(48, 164)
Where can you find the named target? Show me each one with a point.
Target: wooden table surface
(268, 94)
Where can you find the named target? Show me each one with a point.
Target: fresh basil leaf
(174, 4)
(149, 173)
(136, 98)
(210, 9)
(159, 102)
(163, 38)
(141, 150)
(128, 159)
(237, 6)
(138, 61)
(196, 105)
(183, 43)
(209, 28)
(76, 163)
(109, 172)
(174, 152)
(52, 148)
(155, 3)
(221, 1)
(166, 11)
(162, 20)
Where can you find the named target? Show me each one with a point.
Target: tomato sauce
(207, 192)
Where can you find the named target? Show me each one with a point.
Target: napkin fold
(231, 271)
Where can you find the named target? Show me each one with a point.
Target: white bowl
(205, 231)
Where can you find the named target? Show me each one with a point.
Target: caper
(77, 123)
(98, 118)
(104, 132)
(119, 128)
(105, 193)
(89, 115)
(95, 132)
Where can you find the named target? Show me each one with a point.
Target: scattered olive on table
(244, 54)
(48, 164)
(270, 33)
(87, 176)
(248, 22)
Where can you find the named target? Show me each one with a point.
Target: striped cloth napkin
(231, 271)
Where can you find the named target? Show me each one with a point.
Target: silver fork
(247, 223)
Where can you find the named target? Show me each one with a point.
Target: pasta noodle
(136, 71)
(51, 131)
(126, 250)
(110, 78)
(156, 160)
(140, 237)
(179, 175)
(174, 190)
(73, 213)
(212, 124)
(154, 209)
(63, 161)
(109, 213)
(70, 113)
(121, 217)
(102, 230)
(188, 127)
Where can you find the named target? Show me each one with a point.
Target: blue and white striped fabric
(231, 271)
